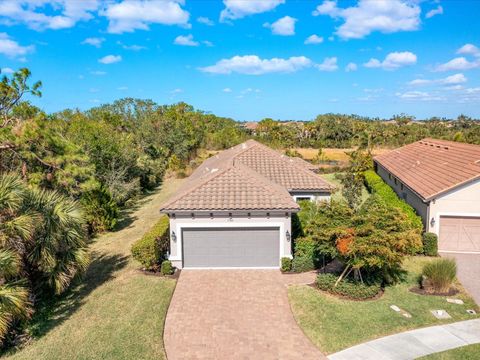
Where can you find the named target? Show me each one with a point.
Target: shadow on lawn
(54, 311)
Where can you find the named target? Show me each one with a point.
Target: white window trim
(180, 226)
(310, 197)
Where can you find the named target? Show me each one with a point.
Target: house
(235, 210)
(441, 181)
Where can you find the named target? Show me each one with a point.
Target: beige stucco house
(441, 181)
(235, 210)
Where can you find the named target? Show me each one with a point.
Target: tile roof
(249, 176)
(431, 167)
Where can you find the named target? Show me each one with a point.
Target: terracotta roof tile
(249, 176)
(430, 167)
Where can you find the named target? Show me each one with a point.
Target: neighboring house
(235, 210)
(441, 180)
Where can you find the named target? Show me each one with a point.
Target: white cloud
(7, 70)
(393, 61)
(131, 15)
(313, 39)
(253, 65)
(420, 96)
(351, 67)
(449, 80)
(13, 49)
(329, 64)
(98, 73)
(227, 90)
(97, 42)
(437, 11)
(459, 63)
(185, 40)
(207, 43)
(284, 26)
(110, 59)
(64, 13)
(237, 9)
(122, 88)
(176, 91)
(469, 49)
(205, 20)
(386, 16)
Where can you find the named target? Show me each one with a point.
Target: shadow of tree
(55, 310)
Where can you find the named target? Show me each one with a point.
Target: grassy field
(469, 352)
(116, 312)
(333, 154)
(337, 195)
(334, 324)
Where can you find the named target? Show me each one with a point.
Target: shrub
(100, 209)
(430, 244)
(152, 247)
(347, 287)
(306, 257)
(440, 274)
(376, 185)
(286, 264)
(166, 268)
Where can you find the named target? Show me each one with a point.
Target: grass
(333, 154)
(337, 195)
(469, 352)
(116, 312)
(334, 324)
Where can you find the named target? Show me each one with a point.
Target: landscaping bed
(334, 323)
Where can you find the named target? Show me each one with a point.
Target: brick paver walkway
(235, 314)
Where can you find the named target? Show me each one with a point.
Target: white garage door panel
(231, 247)
(459, 234)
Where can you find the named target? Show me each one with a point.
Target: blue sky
(250, 59)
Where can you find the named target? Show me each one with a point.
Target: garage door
(231, 247)
(459, 234)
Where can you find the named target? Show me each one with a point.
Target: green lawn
(116, 312)
(469, 352)
(334, 324)
(337, 195)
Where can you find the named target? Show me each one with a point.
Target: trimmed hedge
(286, 264)
(376, 185)
(166, 268)
(306, 256)
(430, 244)
(347, 287)
(151, 249)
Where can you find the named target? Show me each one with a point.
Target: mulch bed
(420, 291)
(174, 276)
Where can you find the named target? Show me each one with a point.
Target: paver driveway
(468, 272)
(234, 314)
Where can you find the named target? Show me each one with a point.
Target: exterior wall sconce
(287, 235)
(432, 222)
(174, 236)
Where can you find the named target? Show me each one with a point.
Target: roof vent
(244, 146)
(213, 170)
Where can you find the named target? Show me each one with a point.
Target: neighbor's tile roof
(431, 167)
(249, 176)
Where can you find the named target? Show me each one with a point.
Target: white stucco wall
(408, 195)
(462, 201)
(280, 220)
(314, 196)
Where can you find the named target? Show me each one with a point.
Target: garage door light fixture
(174, 236)
(432, 222)
(287, 235)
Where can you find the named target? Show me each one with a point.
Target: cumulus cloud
(386, 16)
(469, 49)
(254, 65)
(313, 39)
(6, 70)
(437, 11)
(449, 80)
(393, 61)
(237, 9)
(205, 21)
(110, 59)
(329, 64)
(94, 41)
(419, 96)
(284, 26)
(33, 13)
(186, 40)
(227, 90)
(13, 49)
(459, 63)
(351, 67)
(131, 15)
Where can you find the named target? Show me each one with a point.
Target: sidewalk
(415, 343)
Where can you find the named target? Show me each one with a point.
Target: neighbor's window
(389, 176)
(303, 198)
(395, 180)
(401, 186)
